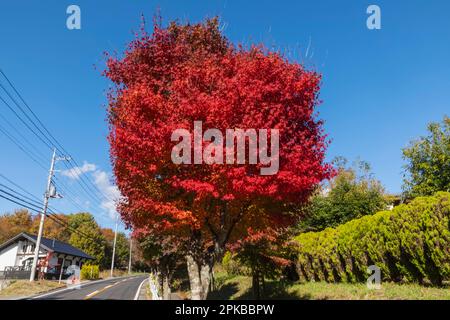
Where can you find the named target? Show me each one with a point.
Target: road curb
(139, 290)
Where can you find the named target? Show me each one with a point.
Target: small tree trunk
(159, 279)
(194, 278)
(199, 277)
(166, 288)
(263, 283)
(255, 285)
(205, 278)
(212, 286)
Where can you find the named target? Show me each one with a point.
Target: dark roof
(51, 245)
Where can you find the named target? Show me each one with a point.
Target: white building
(17, 253)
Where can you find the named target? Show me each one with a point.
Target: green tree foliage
(122, 249)
(428, 167)
(101, 247)
(232, 266)
(409, 243)
(95, 243)
(351, 194)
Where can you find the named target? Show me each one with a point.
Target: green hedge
(410, 243)
(89, 272)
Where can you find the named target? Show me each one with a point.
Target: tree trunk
(205, 279)
(199, 277)
(166, 288)
(212, 281)
(263, 283)
(159, 280)
(255, 285)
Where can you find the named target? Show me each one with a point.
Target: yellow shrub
(89, 272)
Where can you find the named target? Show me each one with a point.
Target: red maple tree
(185, 73)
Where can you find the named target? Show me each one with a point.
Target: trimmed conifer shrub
(411, 243)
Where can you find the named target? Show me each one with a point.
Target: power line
(64, 224)
(86, 184)
(21, 109)
(20, 199)
(59, 184)
(24, 122)
(52, 215)
(21, 147)
(19, 187)
(31, 197)
(62, 186)
(20, 204)
(38, 152)
(28, 107)
(23, 196)
(84, 187)
(60, 148)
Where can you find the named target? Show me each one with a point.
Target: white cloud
(103, 182)
(76, 172)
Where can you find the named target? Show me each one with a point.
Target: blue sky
(380, 87)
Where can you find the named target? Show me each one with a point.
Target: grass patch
(148, 292)
(23, 288)
(105, 274)
(240, 288)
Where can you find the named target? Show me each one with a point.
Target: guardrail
(154, 288)
(16, 272)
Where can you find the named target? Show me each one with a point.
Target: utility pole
(43, 213)
(114, 246)
(129, 260)
(47, 195)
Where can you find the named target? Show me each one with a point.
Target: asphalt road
(110, 289)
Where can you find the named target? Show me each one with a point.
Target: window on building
(27, 263)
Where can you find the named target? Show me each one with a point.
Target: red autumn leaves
(186, 73)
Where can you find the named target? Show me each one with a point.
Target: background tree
(14, 223)
(428, 161)
(99, 247)
(264, 254)
(164, 255)
(352, 193)
(52, 229)
(190, 72)
(94, 244)
(139, 262)
(122, 249)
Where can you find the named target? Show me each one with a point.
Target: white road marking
(93, 293)
(136, 297)
(100, 290)
(65, 289)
